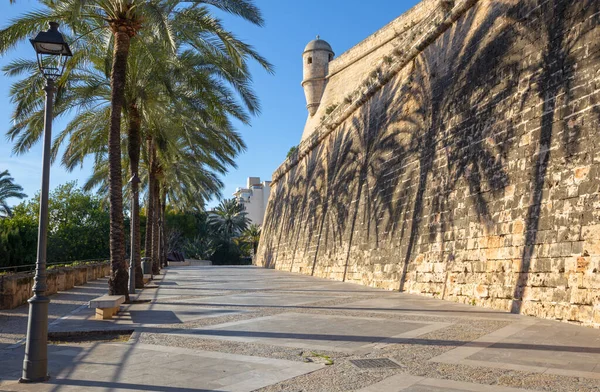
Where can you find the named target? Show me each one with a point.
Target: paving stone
(339, 333)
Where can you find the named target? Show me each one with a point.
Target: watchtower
(316, 58)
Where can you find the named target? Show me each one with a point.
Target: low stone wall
(200, 262)
(179, 263)
(16, 289)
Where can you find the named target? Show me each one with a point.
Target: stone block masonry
(472, 175)
(16, 289)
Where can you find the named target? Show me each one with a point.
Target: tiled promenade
(245, 329)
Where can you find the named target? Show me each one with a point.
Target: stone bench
(107, 306)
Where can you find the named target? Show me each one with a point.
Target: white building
(255, 197)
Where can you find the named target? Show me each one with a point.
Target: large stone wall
(472, 175)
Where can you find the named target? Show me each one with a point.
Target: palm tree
(8, 189)
(112, 24)
(252, 236)
(229, 218)
(118, 21)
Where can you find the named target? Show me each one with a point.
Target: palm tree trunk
(149, 213)
(155, 221)
(163, 226)
(159, 244)
(119, 277)
(150, 204)
(134, 141)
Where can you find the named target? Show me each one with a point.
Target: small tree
(229, 218)
(251, 236)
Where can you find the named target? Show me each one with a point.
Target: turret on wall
(316, 58)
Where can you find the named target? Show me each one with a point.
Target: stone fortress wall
(349, 70)
(471, 174)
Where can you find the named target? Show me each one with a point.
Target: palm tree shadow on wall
(377, 165)
(289, 216)
(448, 89)
(296, 203)
(281, 216)
(305, 183)
(333, 176)
(458, 139)
(552, 83)
(275, 211)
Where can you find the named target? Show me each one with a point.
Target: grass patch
(326, 359)
(121, 335)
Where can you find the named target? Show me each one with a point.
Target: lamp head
(52, 52)
(135, 179)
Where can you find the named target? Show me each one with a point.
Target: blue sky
(290, 25)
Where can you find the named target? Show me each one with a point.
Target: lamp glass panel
(49, 48)
(52, 66)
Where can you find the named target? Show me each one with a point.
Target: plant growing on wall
(331, 108)
(292, 151)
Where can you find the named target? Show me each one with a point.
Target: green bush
(228, 253)
(78, 228)
(221, 235)
(18, 241)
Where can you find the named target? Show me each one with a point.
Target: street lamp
(52, 53)
(134, 181)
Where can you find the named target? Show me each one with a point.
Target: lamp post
(52, 53)
(134, 181)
